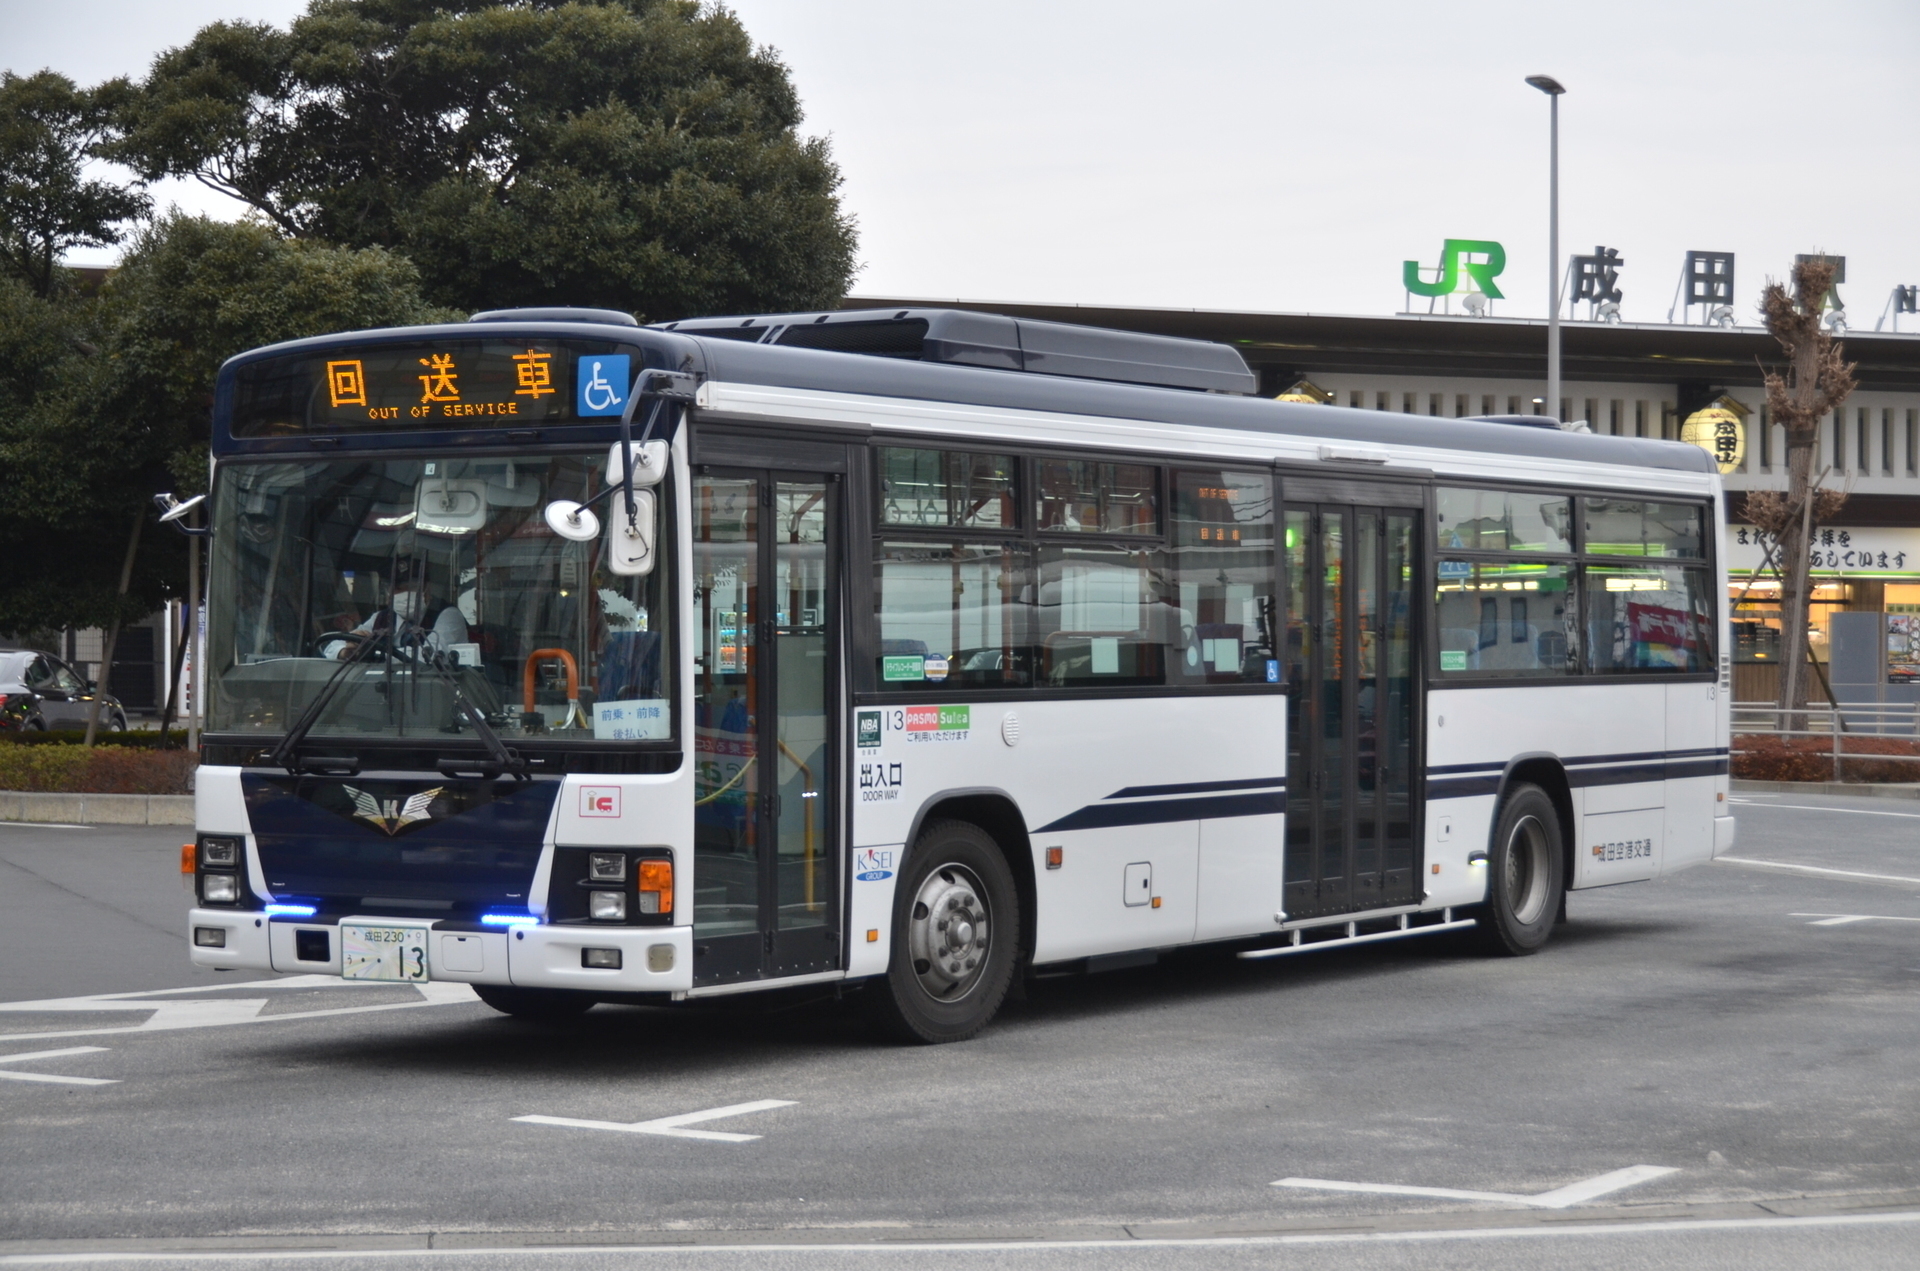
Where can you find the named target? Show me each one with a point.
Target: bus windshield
(446, 566)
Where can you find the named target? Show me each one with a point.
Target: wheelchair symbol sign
(601, 383)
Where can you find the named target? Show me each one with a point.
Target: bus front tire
(543, 1004)
(1526, 883)
(956, 925)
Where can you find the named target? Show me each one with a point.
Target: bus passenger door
(766, 596)
(1352, 670)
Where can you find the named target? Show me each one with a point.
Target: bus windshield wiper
(500, 758)
(286, 754)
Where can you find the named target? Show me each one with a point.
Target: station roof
(1281, 344)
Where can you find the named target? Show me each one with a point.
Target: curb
(1860, 789)
(96, 809)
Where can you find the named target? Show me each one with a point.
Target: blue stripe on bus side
(1582, 771)
(1101, 816)
(1199, 787)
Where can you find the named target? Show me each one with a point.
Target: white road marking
(1807, 807)
(672, 1126)
(218, 1012)
(1842, 920)
(1816, 869)
(1558, 1198)
(522, 1254)
(48, 1077)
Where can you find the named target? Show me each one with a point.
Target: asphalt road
(1746, 1030)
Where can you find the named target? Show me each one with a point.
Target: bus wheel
(956, 921)
(1525, 882)
(535, 1003)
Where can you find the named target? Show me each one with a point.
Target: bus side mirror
(649, 463)
(630, 545)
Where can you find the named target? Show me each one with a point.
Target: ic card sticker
(936, 723)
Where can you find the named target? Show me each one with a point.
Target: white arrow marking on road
(1841, 920)
(53, 1054)
(222, 1011)
(671, 1126)
(1558, 1198)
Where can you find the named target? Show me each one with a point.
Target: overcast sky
(1289, 156)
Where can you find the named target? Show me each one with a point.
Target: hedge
(145, 739)
(1767, 757)
(66, 768)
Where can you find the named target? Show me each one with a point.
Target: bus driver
(415, 605)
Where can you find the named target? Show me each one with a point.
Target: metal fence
(1837, 725)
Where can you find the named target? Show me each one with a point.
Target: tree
(1816, 382)
(92, 438)
(48, 131)
(639, 154)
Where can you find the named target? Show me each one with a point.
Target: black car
(39, 691)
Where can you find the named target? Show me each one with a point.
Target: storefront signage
(1835, 551)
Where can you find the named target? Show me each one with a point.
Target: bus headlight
(607, 867)
(220, 889)
(607, 906)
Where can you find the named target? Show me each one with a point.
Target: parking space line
(1816, 869)
(673, 1127)
(1842, 920)
(1559, 1198)
(1808, 807)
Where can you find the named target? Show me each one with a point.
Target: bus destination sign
(451, 383)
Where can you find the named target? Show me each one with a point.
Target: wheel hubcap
(1528, 869)
(947, 933)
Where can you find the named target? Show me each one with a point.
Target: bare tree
(1817, 381)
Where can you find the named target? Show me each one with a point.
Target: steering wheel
(335, 637)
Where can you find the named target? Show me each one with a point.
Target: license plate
(383, 953)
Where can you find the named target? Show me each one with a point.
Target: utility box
(1139, 884)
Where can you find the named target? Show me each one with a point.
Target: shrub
(65, 768)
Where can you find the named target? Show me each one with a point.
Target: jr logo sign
(1452, 265)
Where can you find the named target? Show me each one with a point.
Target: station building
(1637, 380)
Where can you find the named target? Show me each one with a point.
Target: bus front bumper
(651, 959)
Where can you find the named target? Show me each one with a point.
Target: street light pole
(1552, 88)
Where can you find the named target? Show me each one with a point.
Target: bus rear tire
(956, 925)
(542, 1004)
(1526, 882)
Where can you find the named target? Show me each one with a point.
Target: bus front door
(1352, 669)
(765, 598)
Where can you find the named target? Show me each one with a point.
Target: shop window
(1460, 409)
(1616, 413)
(1639, 419)
(1863, 439)
(1593, 414)
(1505, 617)
(1383, 401)
(1486, 403)
(1913, 443)
(953, 489)
(1513, 406)
(1502, 521)
(1357, 399)
(1647, 619)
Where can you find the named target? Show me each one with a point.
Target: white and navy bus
(581, 661)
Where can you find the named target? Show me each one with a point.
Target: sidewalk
(97, 809)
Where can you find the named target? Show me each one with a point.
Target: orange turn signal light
(873, 935)
(1056, 856)
(187, 855)
(657, 877)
